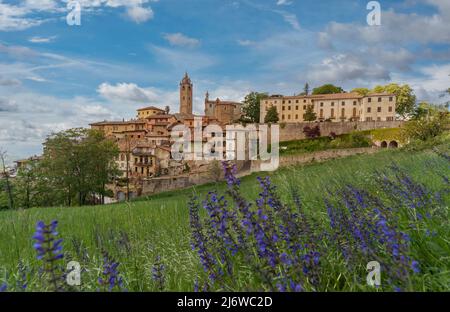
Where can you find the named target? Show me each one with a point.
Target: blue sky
(131, 53)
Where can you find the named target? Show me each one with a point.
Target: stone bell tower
(186, 95)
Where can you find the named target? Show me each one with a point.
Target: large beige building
(332, 107)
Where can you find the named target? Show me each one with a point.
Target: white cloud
(245, 43)
(14, 17)
(342, 68)
(42, 39)
(290, 18)
(8, 82)
(395, 29)
(28, 117)
(23, 15)
(178, 39)
(126, 91)
(139, 14)
(284, 2)
(135, 96)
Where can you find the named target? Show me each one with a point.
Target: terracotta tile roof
(149, 108)
(160, 116)
(334, 96)
(380, 94)
(220, 102)
(123, 122)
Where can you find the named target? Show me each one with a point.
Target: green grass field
(137, 232)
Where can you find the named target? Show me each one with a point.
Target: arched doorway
(393, 144)
(384, 144)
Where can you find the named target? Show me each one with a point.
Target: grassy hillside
(135, 233)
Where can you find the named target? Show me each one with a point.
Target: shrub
(311, 132)
(425, 128)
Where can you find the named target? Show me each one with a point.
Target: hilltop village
(144, 143)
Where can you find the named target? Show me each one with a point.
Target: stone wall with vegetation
(291, 132)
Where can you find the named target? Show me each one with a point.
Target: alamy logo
(73, 278)
(374, 276)
(238, 142)
(74, 16)
(374, 16)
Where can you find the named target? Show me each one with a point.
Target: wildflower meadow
(301, 229)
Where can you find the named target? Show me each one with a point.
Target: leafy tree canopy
(361, 91)
(327, 89)
(310, 115)
(272, 115)
(251, 108)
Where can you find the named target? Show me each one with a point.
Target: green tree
(327, 89)
(306, 89)
(310, 115)
(426, 127)
(272, 115)
(425, 109)
(26, 185)
(252, 105)
(406, 100)
(78, 164)
(361, 91)
(8, 187)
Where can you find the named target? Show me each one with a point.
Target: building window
(343, 112)
(296, 101)
(321, 113)
(390, 118)
(391, 99)
(321, 104)
(379, 109)
(284, 101)
(332, 113)
(354, 103)
(289, 108)
(378, 118)
(289, 101)
(390, 109)
(379, 99)
(296, 116)
(343, 103)
(368, 118)
(369, 100)
(284, 107)
(369, 109)
(354, 112)
(332, 103)
(304, 101)
(296, 107)
(289, 117)
(304, 107)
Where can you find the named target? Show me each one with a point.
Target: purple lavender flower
(158, 270)
(3, 287)
(49, 251)
(110, 280)
(196, 286)
(415, 266)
